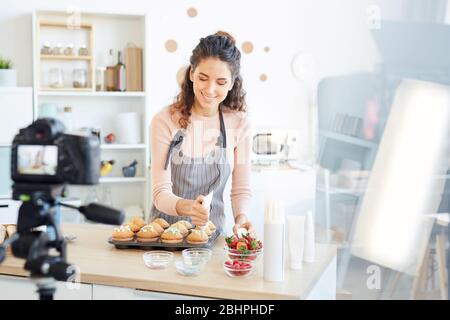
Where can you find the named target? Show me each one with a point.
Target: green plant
(5, 63)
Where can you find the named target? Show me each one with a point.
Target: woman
(202, 138)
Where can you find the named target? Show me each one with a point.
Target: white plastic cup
(296, 240)
(310, 245)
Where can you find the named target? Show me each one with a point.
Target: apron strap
(222, 129)
(176, 141)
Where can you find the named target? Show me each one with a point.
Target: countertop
(101, 263)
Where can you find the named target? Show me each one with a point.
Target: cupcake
(184, 231)
(186, 223)
(147, 233)
(211, 226)
(123, 233)
(197, 237)
(163, 223)
(132, 226)
(11, 230)
(157, 227)
(138, 221)
(172, 235)
(205, 229)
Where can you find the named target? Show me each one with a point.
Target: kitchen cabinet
(102, 292)
(8, 211)
(17, 112)
(21, 288)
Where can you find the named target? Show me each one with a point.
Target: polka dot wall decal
(263, 77)
(180, 74)
(192, 12)
(247, 47)
(266, 49)
(171, 45)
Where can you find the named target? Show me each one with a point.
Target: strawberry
(253, 245)
(241, 246)
(231, 241)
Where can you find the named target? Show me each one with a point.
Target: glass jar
(79, 78)
(83, 51)
(58, 50)
(56, 78)
(100, 79)
(46, 48)
(68, 51)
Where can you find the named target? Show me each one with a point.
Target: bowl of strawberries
(245, 247)
(238, 268)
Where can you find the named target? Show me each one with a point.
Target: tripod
(38, 208)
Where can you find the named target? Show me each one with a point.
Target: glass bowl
(197, 255)
(157, 259)
(238, 268)
(185, 268)
(235, 254)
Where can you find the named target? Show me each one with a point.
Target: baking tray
(134, 244)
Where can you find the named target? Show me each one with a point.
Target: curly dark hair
(220, 45)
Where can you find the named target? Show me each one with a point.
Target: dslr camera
(42, 153)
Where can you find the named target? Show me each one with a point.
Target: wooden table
(101, 263)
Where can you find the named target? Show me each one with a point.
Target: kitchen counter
(102, 264)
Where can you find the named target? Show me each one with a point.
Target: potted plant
(7, 73)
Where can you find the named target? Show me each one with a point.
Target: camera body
(42, 153)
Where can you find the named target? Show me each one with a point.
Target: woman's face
(211, 81)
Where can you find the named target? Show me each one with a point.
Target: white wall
(334, 32)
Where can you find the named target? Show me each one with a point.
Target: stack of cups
(274, 242)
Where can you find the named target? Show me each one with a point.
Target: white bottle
(309, 254)
(274, 241)
(67, 118)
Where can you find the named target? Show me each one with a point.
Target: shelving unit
(122, 180)
(50, 26)
(122, 146)
(98, 109)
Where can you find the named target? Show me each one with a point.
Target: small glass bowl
(158, 259)
(235, 254)
(238, 268)
(186, 268)
(197, 255)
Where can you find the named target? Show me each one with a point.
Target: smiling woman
(202, 138)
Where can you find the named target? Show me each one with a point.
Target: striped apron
(192, 177)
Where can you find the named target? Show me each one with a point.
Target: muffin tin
(163, 246)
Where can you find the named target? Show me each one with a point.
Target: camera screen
(37, 159)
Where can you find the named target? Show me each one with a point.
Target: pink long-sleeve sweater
(200, 138)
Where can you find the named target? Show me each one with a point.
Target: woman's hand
(241, 221)
(194, 209)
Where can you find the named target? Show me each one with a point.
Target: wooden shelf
(62, 90)
(349, 139)
(91, 93)
(57, 24)
(121, 180)
(64, 57)
(122, 146)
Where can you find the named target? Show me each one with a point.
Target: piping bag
(207, 204)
